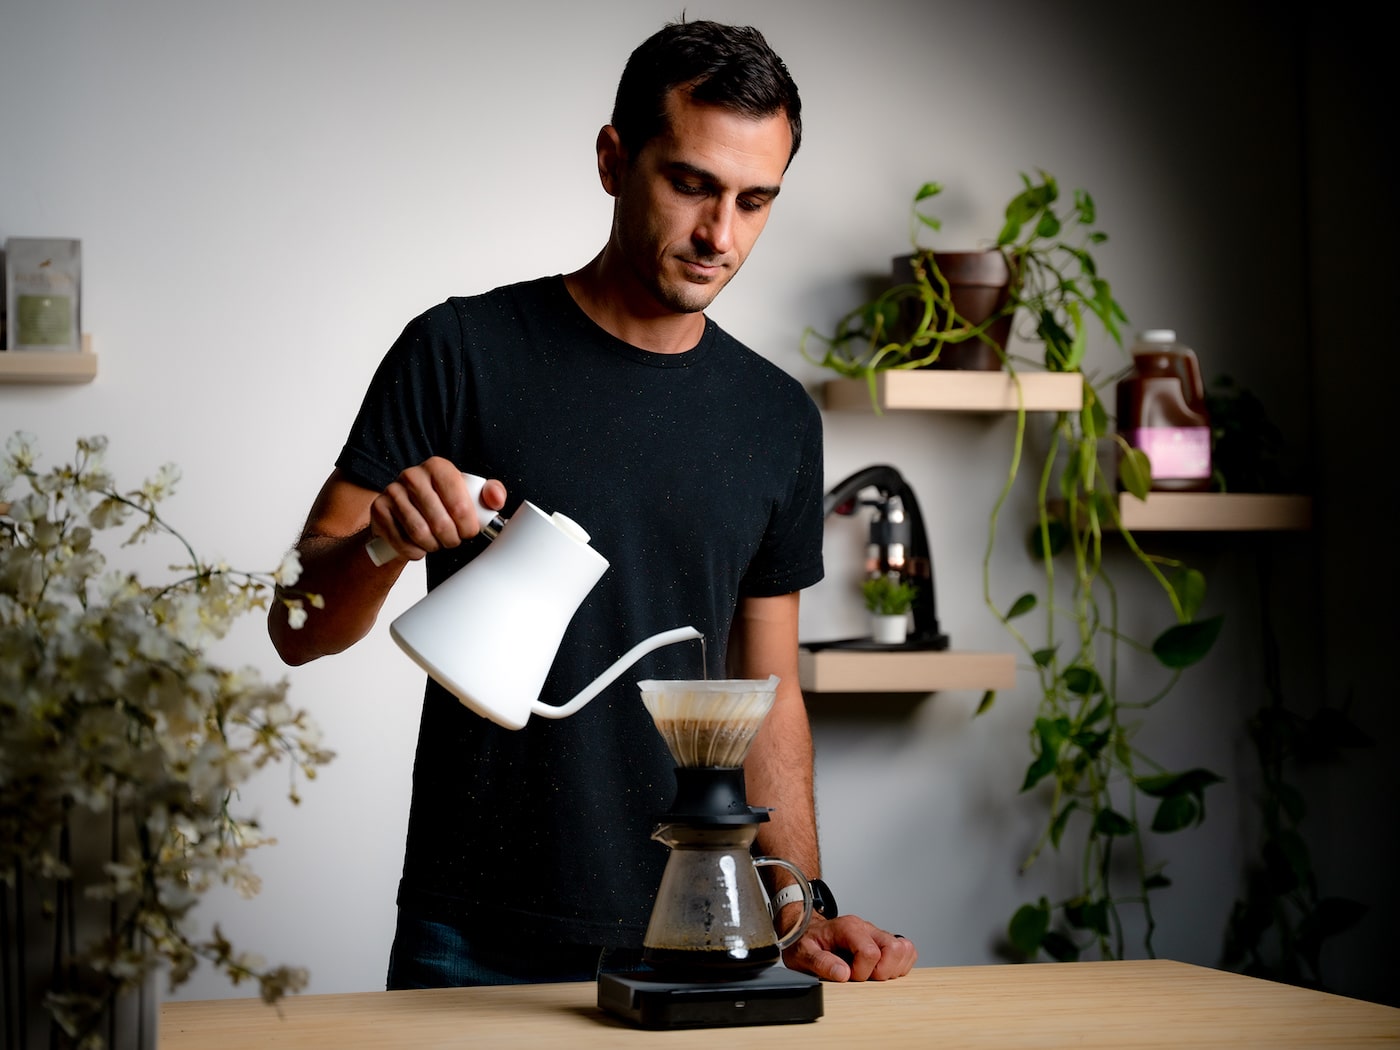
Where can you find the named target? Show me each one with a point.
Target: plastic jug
(1162, 412)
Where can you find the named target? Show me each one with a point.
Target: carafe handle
(790, 938)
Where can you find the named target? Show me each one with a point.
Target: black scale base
(651, 1000)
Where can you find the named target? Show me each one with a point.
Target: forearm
(778, 771)
(778, 775)
(353, 590)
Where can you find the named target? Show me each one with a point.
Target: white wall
(266, 193)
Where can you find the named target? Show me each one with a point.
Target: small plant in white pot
(888, 598)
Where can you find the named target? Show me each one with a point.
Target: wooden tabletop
(1120, 1005)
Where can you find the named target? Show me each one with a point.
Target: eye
(689, 189)
(754, 203)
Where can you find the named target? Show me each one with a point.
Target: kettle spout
(656, 641)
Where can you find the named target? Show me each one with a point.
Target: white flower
(289, 571)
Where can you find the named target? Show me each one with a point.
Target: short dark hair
(723, 65)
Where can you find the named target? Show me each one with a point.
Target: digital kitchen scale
(773, 996)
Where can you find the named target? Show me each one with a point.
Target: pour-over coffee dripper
(711, 913)
(711, 955)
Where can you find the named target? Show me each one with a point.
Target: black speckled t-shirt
(698, 476)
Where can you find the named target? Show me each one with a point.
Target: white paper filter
(709, 723)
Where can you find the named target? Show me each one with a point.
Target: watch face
(822, 900)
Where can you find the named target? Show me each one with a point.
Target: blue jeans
(429, 954)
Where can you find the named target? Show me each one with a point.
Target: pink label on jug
(1175, 452)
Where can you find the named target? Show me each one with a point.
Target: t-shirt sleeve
(409, 409)
(790, 556)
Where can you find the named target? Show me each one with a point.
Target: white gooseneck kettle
(490, 631)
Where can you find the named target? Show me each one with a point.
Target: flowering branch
(109, 705)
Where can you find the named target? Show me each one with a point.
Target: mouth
(700, 270)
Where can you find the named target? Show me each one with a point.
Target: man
(696, 465)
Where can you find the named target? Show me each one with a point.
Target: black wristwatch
(823, 901)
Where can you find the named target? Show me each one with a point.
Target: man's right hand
(428, 508)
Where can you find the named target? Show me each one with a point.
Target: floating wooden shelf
(1216, 512)
(948, 390)
(49, 366)
(856, 671)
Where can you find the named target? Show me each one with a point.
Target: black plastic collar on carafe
(712, 796)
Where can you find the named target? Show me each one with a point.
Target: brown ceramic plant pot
(979, 285)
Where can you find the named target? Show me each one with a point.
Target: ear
(611, 159)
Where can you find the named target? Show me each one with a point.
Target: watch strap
(823, 902)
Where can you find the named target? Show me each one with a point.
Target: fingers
(897, 957)
(808, 956)
(850, 949)
(430, 507)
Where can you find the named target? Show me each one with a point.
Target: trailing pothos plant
(1053, 281)
(1104, 794)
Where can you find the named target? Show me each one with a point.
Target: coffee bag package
(43, 280)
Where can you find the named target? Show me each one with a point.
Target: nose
(715, 232)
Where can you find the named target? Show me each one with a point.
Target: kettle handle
(381, 551)
(790, 938)
(608, 677)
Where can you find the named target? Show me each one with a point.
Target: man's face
(693, 201)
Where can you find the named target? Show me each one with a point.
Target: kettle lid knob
(569, 527)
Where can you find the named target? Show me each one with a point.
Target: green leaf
(1170, 785)
(927, 190)
(1135, 472)
(1097, 714)
(1110, 822)
(1092, 743)
(1059, 947)
(1187, 643)
(1043, 657)
(1082, 681)
(1176, 812)
(1048, 226)
(1079, 344)
(1091, 915)
(1028, 927)
(1189, 586)
(1057, 826)
(1156, 881)
(1021, 606)
(1084, 205)
(1051, 734)
(988, 698)
(1039, 769)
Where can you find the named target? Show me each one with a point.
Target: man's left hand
(847, 948)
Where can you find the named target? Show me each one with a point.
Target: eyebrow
(681, 167)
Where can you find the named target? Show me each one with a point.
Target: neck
(618, 304)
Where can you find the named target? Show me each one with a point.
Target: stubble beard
(677, 293)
